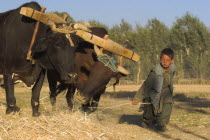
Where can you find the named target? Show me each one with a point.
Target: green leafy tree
(159, 36)
(190, 39)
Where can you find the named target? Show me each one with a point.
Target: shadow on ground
(188, 132)
(137, 120)
(193, 103)
(131, 119)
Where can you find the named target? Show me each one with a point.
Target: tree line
(188, 37)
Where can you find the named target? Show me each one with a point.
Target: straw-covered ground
(116, 118)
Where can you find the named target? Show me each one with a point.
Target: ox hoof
(53, 100)
(11, 109)
(88, 109)
(70, 104)
(36, 114)
(70, 108)
(35, 110)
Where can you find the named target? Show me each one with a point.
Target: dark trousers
(160, 119)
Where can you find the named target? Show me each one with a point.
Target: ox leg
(92, 106)
(70, 96)
(94, 102)
(52, 86)
(36, 94)
(10, 97)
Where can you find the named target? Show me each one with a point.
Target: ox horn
(97, 50)
(122, 70)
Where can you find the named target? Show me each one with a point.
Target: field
(115, 119)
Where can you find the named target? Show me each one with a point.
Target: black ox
(51, 52)
(92, 75)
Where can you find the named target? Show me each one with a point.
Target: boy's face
(166, 61)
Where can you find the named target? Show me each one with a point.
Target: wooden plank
(41, 17)
(108, 45)
(34, 14)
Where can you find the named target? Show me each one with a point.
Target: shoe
(161, 129)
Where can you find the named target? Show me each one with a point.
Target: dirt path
(186, 122)
(190, 117)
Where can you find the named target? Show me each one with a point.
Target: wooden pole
(34, 36)
(65, 16)
(120, 60)
(105, 37)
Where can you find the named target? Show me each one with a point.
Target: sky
(111, 12)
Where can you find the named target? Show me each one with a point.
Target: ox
(92, 75)
(51, 51)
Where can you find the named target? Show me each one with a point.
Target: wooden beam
(108, 45)
(34, 36)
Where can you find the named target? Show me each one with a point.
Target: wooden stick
(101, 49)
(129, 103)
(120, 63)
(34, 36)
(120, 60)
(105, 37)
(65, 16)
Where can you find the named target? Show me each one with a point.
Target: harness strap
(108, 61)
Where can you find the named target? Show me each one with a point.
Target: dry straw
(54, 124)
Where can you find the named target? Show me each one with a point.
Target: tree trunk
(187, 49)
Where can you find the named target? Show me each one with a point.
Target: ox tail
(61, 88)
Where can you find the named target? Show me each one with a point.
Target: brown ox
(93, 75)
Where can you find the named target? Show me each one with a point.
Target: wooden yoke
(108, 45)
(34, 36)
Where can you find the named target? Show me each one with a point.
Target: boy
(157, 91)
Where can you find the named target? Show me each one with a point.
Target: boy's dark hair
(167, 51)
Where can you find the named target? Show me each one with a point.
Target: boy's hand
(135, 102)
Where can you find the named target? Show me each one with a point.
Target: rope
(70, 40)
(108, 61)
(117, 106)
